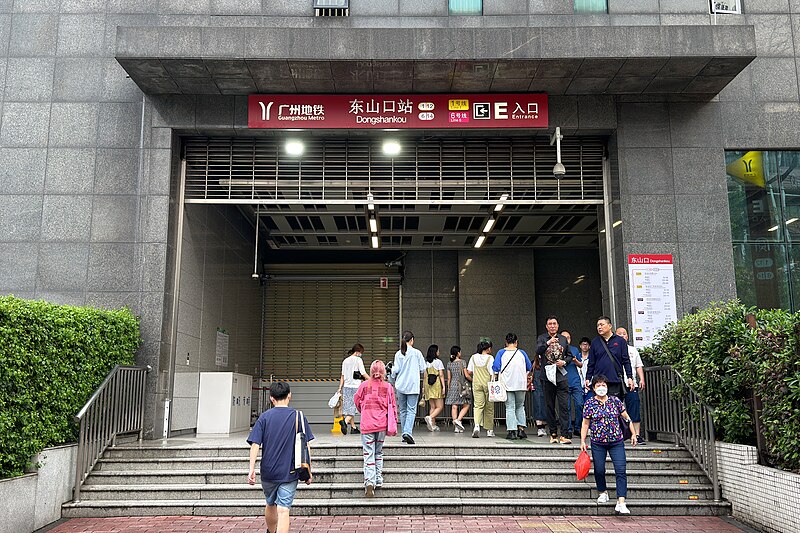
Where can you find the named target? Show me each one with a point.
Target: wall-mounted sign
(652, 290)
(728, 7)
(397, 111)
(221, 358)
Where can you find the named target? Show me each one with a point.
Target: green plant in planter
(725, 360)
(52, 358)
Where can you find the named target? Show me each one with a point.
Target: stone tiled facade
(88, 162)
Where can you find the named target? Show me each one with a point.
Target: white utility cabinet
(224, 402)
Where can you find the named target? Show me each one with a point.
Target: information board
(222, 349)
(652, 290)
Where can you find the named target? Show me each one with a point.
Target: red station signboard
(397, 111)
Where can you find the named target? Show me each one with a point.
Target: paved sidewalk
(403, 524)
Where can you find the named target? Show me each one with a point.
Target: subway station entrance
(296, 246)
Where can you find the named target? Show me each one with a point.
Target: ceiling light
(370, 202)
(480, 240)
(617, 223)
(294, 147)
(792, 220)
(489, 225)
(773, 228)
(468, 262)
(373, 225)
(374, 241)
(391, 147)
(499, 207)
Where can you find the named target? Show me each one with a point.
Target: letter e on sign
(384, 283)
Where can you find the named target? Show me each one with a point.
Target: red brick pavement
(403, 524)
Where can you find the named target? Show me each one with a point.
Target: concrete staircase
(447, 476)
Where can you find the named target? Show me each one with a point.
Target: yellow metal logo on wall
(749, 168)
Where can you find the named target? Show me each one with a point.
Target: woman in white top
(513, 365)
(353, 373)
(479, 370)
(433, 386)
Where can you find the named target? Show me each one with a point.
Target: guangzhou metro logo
(748, 166)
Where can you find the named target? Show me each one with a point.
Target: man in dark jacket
(609, 343)
(553, 352)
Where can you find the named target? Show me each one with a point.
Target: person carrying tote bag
(513, 366)
(479, 370)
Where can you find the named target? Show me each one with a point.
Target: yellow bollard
(337, 428)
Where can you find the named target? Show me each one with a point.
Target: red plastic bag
(582, 466)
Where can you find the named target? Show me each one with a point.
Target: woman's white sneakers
(429, 422)
(621, 508)
(603, 498)
(459, 425)
(476, 431)
(490, 433)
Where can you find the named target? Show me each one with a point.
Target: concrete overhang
(697, 61)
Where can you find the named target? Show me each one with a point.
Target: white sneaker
(458, 424)
(621, 508)
(541, 432)
(490, 433)
(436, 428)
(603, 498)
(429, 422)
(456, 430)
(476, 431)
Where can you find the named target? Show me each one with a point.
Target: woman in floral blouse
(602, 414)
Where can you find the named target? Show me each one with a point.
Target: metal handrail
(116, 408)
(685, 416)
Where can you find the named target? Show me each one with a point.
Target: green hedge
(52, 358)
(725, 360)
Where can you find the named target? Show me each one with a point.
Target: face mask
(601, 391)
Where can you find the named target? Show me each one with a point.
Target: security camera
(559, 170)
(255, 275)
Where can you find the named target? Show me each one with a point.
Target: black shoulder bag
(624, 425)
(620, 373)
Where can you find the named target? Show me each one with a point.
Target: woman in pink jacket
(375, 401)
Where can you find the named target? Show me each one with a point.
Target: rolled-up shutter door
(310, 325)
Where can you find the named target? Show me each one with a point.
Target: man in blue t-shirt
(275, 433)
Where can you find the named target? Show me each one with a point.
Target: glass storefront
(764, 200)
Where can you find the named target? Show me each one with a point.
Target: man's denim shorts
(281, 494)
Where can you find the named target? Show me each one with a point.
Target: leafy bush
(724, 360)
(52, 358)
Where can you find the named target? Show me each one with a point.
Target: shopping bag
(334, 400)
(582, 466)
(497, 391)
(550, 371)
(302, 457)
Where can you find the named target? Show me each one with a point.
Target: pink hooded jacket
(376, 402)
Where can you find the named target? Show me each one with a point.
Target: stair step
(343, 475)
(492, 447)
(403, 506)
(425, 463)
(391, 490)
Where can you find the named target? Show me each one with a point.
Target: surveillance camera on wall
(255, 275)
(559, 170)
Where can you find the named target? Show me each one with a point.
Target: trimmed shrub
(52, 358)
(724, 360)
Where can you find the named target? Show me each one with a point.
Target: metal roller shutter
(310, 326)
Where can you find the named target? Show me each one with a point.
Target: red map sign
(397, 111)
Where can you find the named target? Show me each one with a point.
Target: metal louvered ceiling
(439, 192)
